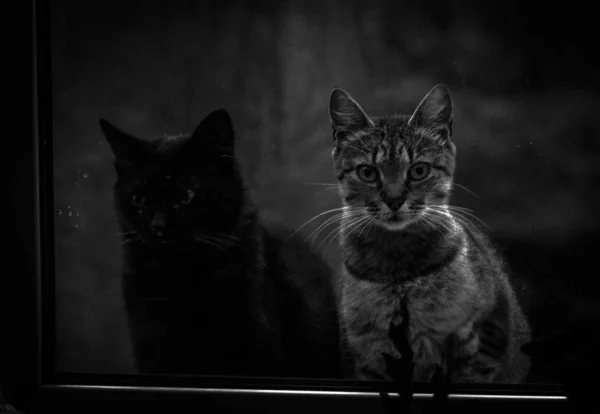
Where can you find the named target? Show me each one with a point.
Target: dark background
(526, 127)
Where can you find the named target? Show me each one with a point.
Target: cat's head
(394, 169)
(178, 188)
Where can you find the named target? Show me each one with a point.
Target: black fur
(208, 289)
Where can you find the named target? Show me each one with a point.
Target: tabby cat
(404, 246)
(207, 287)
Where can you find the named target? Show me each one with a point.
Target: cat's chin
(394, 225)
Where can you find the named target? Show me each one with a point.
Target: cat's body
(403, 245)
(209, 289)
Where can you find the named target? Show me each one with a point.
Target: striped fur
(403, 243)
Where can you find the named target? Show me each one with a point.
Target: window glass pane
(219, 210)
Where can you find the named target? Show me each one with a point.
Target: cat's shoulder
(479, 242)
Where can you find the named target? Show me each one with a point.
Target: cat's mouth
(395, 218)
(394, 221)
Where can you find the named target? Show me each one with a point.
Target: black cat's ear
(128, 150)
(435, 111)
(214, 132)
(345, 114)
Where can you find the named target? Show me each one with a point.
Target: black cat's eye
(189, 196)
(419, 171)
(138, 200)
(367, 173)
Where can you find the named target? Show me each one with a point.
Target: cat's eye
(189, 196)
(367, 173)
(137, 200)
(419, 171)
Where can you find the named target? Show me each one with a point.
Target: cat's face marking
(177, 189)
(394, 168)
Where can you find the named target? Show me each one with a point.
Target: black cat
(208, 289)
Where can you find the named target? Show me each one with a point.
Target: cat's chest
(152, 273)
(369, 309)
(153, 265)
(377, 305)
(179, 258)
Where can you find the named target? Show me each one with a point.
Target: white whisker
(323, 225)
(465, 188)
(366, 226)
(322, 184)
(327, 189)
(464, 213)
(440, 221)
(210, 242)
(344, 226)
(361, 224)
(348, 213)
(333, 210)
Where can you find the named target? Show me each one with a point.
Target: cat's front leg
(401, 370)
(478, 352)
(369, 359)
(368, 348)
(441, 380)
(399, 334)
(366, 373)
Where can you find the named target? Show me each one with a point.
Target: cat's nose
(395, 203)
(159, 222)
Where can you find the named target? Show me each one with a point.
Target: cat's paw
(398, 332)
(366, 374)
(442, 380)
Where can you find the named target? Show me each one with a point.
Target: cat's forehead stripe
(381, 155)
(399, 146)
(403, 155)
(392, 152)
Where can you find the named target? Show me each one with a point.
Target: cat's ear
(214, 132)
(345, 114)
(128, 149)
(435, 111)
